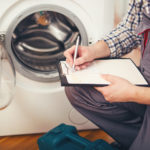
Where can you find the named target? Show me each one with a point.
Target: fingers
(110, 78)
(69, 55)
(80, 61)
(83, 66)
(104, 91)
(100, 89)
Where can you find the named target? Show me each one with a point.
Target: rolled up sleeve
(123, 38)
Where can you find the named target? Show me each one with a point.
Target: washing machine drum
(39, 40)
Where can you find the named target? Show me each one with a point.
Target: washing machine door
(7, 77)
(37, 40)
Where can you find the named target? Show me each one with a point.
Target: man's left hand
(119, 90)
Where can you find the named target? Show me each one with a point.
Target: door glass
(7, 79)
(40, 39)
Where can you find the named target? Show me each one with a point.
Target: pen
(75, 53)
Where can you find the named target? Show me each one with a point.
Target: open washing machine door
(7, 77)
(38, 35)
(38, 42)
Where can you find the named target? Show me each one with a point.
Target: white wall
(121, 7)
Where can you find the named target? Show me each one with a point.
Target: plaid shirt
(123, 38)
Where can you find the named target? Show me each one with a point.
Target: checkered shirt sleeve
(123, 38)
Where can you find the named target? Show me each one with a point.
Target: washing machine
(35, 34)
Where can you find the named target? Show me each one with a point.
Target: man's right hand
(86, 54)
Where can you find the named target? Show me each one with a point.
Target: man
(121, 109)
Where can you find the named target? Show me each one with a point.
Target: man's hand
(86, 54)
(119, 90)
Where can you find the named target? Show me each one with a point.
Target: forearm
(121, 41)
(141, 95)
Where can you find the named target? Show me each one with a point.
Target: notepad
(91, 75)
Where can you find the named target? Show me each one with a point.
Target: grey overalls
(128, 123)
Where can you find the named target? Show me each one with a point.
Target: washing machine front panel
(37, 111)
(5, 5)
(40, 106)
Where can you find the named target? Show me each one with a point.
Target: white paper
(124, 68)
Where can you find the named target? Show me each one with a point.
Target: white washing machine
(36, 32)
